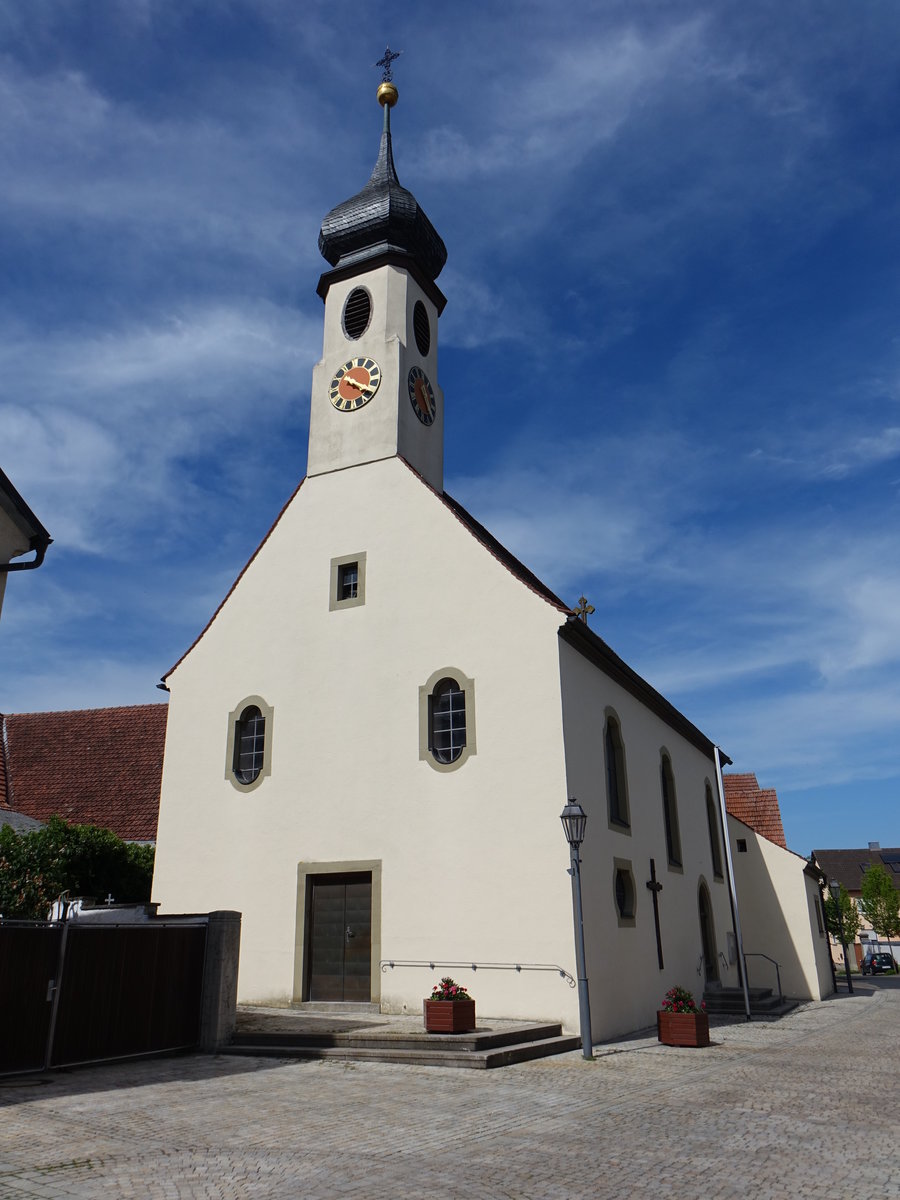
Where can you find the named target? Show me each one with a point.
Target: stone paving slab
(769, 1111)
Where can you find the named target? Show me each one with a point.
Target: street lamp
(574, 819)
(835, 889)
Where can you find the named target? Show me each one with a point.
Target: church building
(369, 745)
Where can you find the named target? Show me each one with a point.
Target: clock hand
(360, 387)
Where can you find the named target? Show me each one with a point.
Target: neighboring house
(369, 745)
(779, 896)
(96, 766)
(848, 868)
(20, 533)
(18, 822)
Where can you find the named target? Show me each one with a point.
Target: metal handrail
(758, 954)
(391, 963)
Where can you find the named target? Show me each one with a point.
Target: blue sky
(670, 354)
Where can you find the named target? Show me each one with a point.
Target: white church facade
(370, 744)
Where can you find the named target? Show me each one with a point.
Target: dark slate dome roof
(383, 217)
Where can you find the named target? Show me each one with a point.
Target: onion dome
(384, 218)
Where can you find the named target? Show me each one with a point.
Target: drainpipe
(39, 546)
(732, 890)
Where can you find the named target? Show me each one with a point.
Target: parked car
(877, 963)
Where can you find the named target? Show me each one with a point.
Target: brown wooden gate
(85, 992)
(29, 956)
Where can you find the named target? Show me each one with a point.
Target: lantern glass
(574, 820)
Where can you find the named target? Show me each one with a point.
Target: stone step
(385, 1039)
(730, 1002)
(426, 1052)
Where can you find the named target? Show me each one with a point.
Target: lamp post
(574, 819)
(835, 889)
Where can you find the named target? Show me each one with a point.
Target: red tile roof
(755, 806)
(96, 766)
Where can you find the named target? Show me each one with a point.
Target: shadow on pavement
(133, 1073)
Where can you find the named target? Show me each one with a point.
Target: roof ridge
(492, 544)
(43, 712)
(237, 580)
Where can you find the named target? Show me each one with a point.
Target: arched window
(249, 745)
(670, 813)
(616, 784)
(715, 844)
(447, 721)
(249, 757)
(624, 894)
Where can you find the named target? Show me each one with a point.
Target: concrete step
(730, 1002)
(428, 1051)
(387, 1039)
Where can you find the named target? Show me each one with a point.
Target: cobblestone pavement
(771, 1110)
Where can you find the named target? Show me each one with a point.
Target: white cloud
(113, 415)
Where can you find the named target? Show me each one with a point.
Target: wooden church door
(340, 937)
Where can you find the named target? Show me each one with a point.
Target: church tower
(375, 392)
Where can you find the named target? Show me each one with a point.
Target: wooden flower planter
(682, 1029)
(449, 1016)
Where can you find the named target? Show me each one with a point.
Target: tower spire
(384, 218)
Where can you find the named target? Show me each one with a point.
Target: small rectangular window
(348, 581)
(819, 918)
(742, 845)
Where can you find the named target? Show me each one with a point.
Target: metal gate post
(56, 984)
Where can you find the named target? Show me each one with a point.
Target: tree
(84, 860)
(849, 916)
(880, 903)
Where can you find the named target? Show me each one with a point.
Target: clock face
(421, 396)
(354, 384)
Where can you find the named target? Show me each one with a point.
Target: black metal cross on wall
(655, 888)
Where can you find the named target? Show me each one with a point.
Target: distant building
(848, 868)
(96, 766)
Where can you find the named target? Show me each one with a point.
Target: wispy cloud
(112, 417)
(834, 454)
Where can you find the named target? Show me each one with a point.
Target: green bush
(84, 860)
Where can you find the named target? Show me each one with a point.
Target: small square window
(742, 845)
(348, 581)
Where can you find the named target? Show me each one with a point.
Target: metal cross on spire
(390, 55)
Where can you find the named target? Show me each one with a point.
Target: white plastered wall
(386, 425)
(12, 544)
(626, 984)
(473, 860)
(778, 916)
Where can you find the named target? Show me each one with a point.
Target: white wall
(626, 984)
(778, 916)
(473, 860)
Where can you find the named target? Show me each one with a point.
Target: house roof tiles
(848, 866)
(754, 806)
(99, 766)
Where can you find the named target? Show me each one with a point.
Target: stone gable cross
(582, 610)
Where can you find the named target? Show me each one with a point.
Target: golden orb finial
(387, 94)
